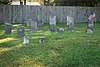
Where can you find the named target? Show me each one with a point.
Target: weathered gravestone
(20, 31)
(26, 40)
(52, 23)
(28, 23)
(39, 22)
(41, 39)
(70, 24)
(61, 31)
(8, 28)
(33, 26)
(90, 23)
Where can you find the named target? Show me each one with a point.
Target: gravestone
(33, 26)
(41, 39)
(26, 40)
(28, 23)
(61, 31)
(70, 24)
(52, 23)
(20, 31)
(90, 27)
(39, 22)
(8, 28)
(90, 23)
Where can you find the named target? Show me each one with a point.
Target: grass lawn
(73, 49)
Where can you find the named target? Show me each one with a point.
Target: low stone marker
(8, 28)
(20, 31)
(41, 39)
(33, 26)
(61, 31)
(70, 24)
(90, 23)
(26, 40)
(52, 23)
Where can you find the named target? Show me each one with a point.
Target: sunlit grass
(7, 40)
(72, 49)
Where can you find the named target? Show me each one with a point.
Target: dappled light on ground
(7, 40)
(10, 48)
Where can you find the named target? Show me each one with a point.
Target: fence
(21, 13)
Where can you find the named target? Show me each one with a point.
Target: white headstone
(26, 40)
(53, 20)
(52, 23)
(70, 20)
(70, 23)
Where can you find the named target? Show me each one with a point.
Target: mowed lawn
(73, 49)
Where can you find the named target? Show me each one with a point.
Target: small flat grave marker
(61, 31)
(41, 39)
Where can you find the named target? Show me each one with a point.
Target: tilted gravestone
(20, 31)
(61, 31)
(8, 28)
(70, 24)
(52, 23)
(90, 23)
(26, 40)
(33, 26)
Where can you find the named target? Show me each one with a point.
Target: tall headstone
(90, 23)
(39, 22)
(70, 24)
(28, 23)
(20, 31)
(52, 23)
(8, 28)
(33, 26)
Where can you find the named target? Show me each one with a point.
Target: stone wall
(21, 13)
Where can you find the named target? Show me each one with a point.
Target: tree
(5, 1)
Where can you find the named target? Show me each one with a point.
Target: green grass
(73, 49)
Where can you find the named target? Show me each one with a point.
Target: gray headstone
(28, 23)
(20, 31)
(26, 40)
(52, 23)
(39, 22)
(41, 39)
(8, 28)
(70, 23)
(61, 31)
(90, 27)
(33, 26)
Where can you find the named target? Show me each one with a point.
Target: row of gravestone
(32, 25)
